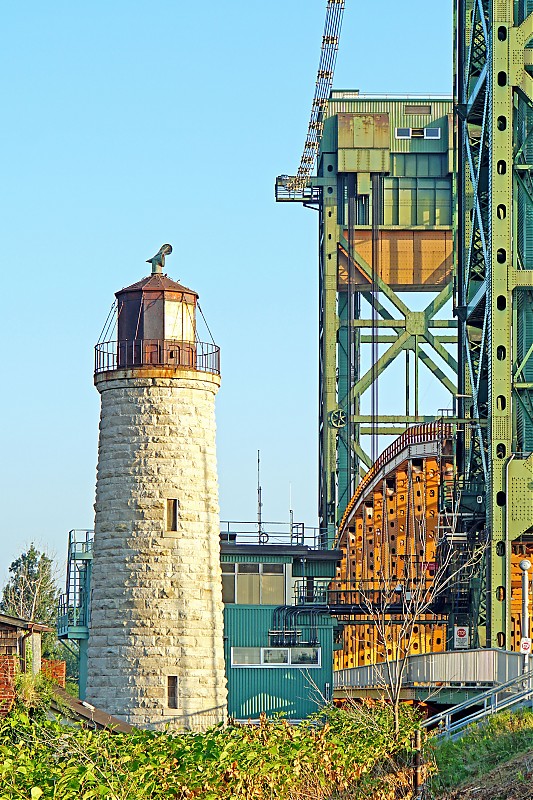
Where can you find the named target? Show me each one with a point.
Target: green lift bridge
(389, 169)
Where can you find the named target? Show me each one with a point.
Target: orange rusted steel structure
(390, 532)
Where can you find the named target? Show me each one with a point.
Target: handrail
(145, 353)
(453, 729)
(482, 667)
(335, 591)
(475, 701)
(491, 694)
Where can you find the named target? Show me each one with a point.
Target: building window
(308, 656)
(276, 657)
(228, 583)
(417, 133)
(431, 133)
(248, 585)
(245, 656)
(172, 514)
(253, 584)
(172, 691)
(403, 133)
(272, 585)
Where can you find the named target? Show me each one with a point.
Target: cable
(206, 325)
(107, 323)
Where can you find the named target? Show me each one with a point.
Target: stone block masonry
(155, 654)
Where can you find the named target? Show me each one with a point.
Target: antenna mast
(259, 499)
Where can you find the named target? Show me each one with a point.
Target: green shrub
(273, 760)
(33, 692)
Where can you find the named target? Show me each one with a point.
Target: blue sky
(130, 124)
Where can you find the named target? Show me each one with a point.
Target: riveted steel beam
(494, 269)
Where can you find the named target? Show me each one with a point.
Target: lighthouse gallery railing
(169, 353)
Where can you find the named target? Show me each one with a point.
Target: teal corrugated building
(292, 689)
(278, 648)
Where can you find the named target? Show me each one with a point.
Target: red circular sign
(461, 633)
(525, 647)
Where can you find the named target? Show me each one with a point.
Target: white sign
(525, 646)
(460, 637)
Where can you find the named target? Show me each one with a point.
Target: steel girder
(494, 98)
(343, 333)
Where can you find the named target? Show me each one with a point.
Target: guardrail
(169, 353)
(279, 533)
(361, 593)
(516, 692)
(483, 667)
(71, 616)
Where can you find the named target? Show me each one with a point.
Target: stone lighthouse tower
(155, 654)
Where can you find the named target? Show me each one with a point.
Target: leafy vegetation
(339, 754)
(32, 593)
(33, 692)
(480, 749)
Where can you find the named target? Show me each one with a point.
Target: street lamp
(525, 566)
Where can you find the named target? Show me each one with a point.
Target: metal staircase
(73, 610)
(514, 694)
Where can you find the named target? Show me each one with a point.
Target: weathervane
(158, 261)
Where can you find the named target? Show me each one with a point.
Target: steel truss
(392, 329)
(494, 255)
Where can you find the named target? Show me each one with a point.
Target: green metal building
(278, 644)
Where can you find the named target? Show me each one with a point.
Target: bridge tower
(494, 98)
(384, 195)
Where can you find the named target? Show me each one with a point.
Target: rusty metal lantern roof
(157, 283)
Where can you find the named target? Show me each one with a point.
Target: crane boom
(324, 82)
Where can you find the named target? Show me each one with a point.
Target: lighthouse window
(172, 514)
(172, 691)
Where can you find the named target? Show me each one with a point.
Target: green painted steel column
(82, 667)
(343, 442)
(329, 325)
(500, 319)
